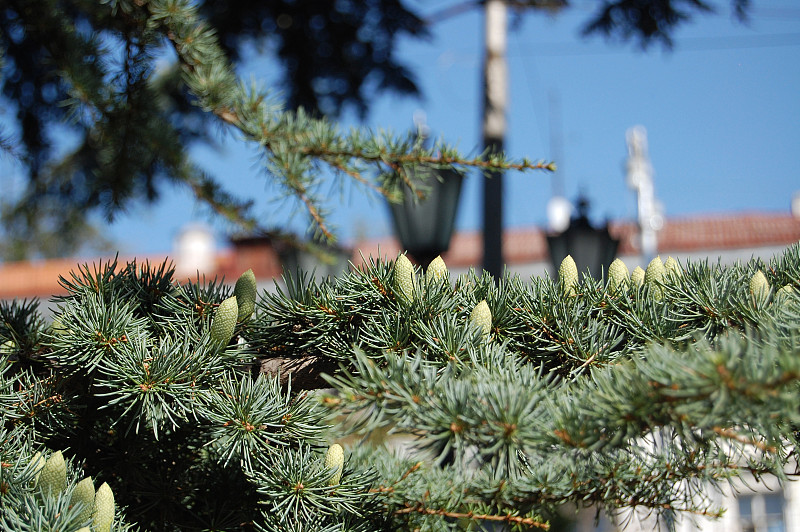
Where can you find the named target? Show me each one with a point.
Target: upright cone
(672, 268)
(84, 494)
(404, 279)
(637, 277)
(654, 276)
(437, 270)
(103, 510)
(53, 476)
(224, 322)
(334, 459)
(246, 292)
(568, 275)
(784, 293)
(617, 276)
(759, 287)
(481, 318)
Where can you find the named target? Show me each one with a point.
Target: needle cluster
(617, 395)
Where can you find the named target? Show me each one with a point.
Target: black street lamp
(591, 248)
(424, 227)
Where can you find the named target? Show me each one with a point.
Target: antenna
(639, 177)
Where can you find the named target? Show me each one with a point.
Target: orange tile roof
(749, 230)
(40, 278)
(33, 279)
(521, 246)
(679, 235)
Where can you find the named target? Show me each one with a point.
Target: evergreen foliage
(193, 412)
(617, 396)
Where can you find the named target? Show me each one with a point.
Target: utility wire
(543, 49)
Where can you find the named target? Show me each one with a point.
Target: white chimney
(194, 251)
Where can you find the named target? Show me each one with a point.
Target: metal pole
(495, 101)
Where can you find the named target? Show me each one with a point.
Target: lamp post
(424, 227)
(591, 248)
(493, 127)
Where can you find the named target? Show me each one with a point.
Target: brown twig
(508, 518)
(733, 435)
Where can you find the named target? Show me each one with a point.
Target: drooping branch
(507, 518)
(293, 143)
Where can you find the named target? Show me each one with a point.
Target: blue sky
(722, 111)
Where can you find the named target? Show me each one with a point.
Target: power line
(774, 12)
(743, 42)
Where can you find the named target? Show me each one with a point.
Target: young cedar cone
(784, 293)
(83, 494)
(404, 279)
(334, 459)
(568, 275)
(637, 277)
(653, 275)
(481, 317)
(58, 327)
(246, 292)
(437, 270)
(759, 286)
(672, 267)
(53, 476)
(617, 275)
(37, 463)
(8, 347)
(224, 321)
(103, 510)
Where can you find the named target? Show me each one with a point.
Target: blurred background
(712, 94)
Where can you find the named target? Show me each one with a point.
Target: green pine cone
(404, 279)
(617, 275)
(246, 292)
(637, 277)
(334, 459)
(53, 476)
(568, 275)
(784, 292)
(437, 270)
(37, 463)
(653, 275)
(224, 322)
(84, 494)
(672, 267)
(8, 347)
(655, 271)
(84, 529)
(58, 328)
(103, 509)
(481, 318)
(759, 286)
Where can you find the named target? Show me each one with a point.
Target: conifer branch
(735, 436)
(295, 143)
(609, 397)
(508, 518)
